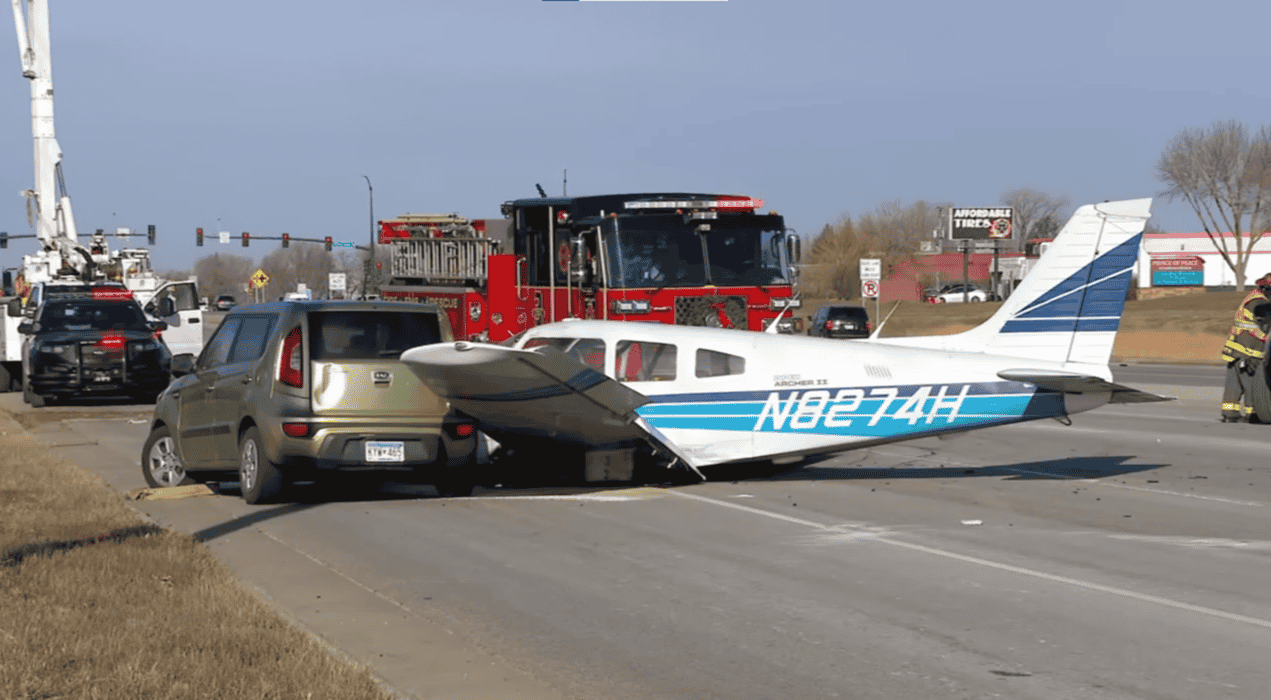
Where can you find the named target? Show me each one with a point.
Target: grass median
(97, 603)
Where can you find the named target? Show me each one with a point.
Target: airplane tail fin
(1069, 306)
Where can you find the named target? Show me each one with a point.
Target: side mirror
(28, 327)
(182, 364)
(578, 260)
(159, 326)
(166, 307)
(14, 308)
(793, 247)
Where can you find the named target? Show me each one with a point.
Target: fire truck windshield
(665, 251)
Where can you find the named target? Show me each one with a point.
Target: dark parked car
(301, 390)
(91, 342)
(840, 321)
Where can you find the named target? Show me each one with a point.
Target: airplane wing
(538, 393)
(1069, 383)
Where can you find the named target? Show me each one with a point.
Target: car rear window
(845, 313)
(92, 315)
(370, 335)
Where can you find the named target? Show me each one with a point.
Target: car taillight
(297, 430)
(869, 326)
(461, 430)
(290, 367)
(829, 325)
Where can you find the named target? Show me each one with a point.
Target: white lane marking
(1089, 585)
(615, 496)
(1144, 489)
(1084, 480)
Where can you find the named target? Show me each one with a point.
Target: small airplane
(710, 396)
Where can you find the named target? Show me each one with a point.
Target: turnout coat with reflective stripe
(1246, 340)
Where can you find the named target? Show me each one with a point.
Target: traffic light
(286, 240)
(328, 242)
(198, 236)
(4, 239)
(150, 233)
(246, 237)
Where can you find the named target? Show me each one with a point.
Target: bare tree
(301, 263)
(223, 274)
(833, 261)
(1224, 175)
(1035, 213)
(892, 232)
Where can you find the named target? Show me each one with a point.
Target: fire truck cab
(678, 258)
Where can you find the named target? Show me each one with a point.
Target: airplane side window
(719, 364)
(639, 361)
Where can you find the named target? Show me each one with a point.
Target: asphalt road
(1124, 556)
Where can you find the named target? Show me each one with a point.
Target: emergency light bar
(728, 204)
(99, 293)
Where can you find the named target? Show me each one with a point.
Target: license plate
(101, 377)
(385, 451)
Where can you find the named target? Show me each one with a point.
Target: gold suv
(296, 390)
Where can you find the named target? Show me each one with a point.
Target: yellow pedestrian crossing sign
(259, 278)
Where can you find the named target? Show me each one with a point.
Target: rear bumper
(334, 447)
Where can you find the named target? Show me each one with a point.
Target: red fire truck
(688, 259)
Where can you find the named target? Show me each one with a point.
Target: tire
(458, 482)
(36, 400)
(160, 464)
(260, 480)
(6, 380)
(1260, 394)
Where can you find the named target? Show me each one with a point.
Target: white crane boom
(54, 221)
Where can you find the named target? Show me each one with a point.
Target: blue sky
(266, 115)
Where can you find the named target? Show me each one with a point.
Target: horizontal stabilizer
(1068, 383)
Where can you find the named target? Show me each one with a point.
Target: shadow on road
(1066, 468)
(252, 518)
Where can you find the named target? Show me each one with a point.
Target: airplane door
(185, 324)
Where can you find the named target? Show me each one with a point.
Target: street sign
(335, 281)
(224, 236)
(871, 269)
(259, 278)
(869, 289)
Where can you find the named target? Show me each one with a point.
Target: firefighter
(1243, 351)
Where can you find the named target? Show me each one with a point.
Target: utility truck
(62, 260)
(677, 258)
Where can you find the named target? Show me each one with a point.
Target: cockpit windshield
(667, 251)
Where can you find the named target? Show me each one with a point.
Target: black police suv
(92, 344)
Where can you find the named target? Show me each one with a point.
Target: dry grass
(94, 603)
(1184, 329)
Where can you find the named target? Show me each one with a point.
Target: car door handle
(193, 319)
(247, 380)
(210, 388)
(176, 394)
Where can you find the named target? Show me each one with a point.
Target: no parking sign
(869, 289)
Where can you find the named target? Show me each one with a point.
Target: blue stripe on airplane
(798, 413)
(1097, 289)
(1062, 325)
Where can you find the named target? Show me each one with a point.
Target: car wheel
(976, 300)
(260, 480)
(36, 400)
(160, 464)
